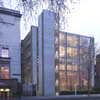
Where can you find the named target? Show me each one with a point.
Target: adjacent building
(57, 61)
(10, 45)
(97, 72)
(29, 62)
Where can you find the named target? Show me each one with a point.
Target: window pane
(72, 40)
(5, 52)
(84, 41)
(71, 52)
(62, 80)
(62, 67)
(62, 51)
(4, 71)
(62, 38)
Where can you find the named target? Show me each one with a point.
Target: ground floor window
(4, 71)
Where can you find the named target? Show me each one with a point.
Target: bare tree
(31, 9)
(97, 49)
(1, 3)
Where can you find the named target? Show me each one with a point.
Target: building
(74, 62)
(97, 72)
(61, 60)
(10, 45)
(28, 57)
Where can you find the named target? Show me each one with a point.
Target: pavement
(69, 97)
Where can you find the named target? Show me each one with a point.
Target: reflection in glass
(71, 52)
(72, 62)
(62, 51)
(84, 42)
(62, 67)
(72, 40)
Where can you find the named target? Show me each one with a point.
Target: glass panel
(62, 51)
(56, 40)
(56, 68)
(69, 67)
(71, 52)
(57, 82)
(62, 38)
(72, 78)
(84, 56)
(56, 54)
(72, 67)
(4, 72)
(62, 67)
(62, 80)
(84, 41)
(5, 52)
(72, 40)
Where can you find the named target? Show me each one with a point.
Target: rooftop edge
(10, 12)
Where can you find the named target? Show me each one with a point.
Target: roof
(10, 12)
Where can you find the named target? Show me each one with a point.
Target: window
(62, 67)
(62, 51)
(57, 82)
(5, 52)
(62, 38)
(4, 71)
(72, 40)
(56, 69)
(56, 54)
(72, 52)
(56, 40)
(84, 42)
(62, 80)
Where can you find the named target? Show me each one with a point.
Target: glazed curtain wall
(72, 61)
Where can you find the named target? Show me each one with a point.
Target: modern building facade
(29, 62)
(74, 62)
(61, 60)
(10, 62)
(97, 72)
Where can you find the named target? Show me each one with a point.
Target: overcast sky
(85, 20)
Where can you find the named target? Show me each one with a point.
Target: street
(63, 98)
(56, 98)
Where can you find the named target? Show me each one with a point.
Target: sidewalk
(69, 97)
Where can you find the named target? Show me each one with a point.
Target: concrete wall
(34, 31)
(10, 37)
(46, 53)
(92, 62)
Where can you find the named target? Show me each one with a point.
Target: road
(63, 98)
(57, 98)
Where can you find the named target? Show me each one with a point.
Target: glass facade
(72, 61)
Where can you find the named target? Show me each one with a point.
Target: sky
(85, 20)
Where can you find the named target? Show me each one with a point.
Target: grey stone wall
(10, 37)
